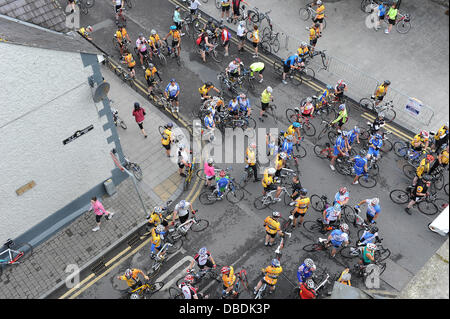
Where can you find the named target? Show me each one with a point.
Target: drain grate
(99, 267)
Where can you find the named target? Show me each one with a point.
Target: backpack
(199, 39)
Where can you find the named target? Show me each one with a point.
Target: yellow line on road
(79, 285)
(393, 129)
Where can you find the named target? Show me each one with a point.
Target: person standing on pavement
(236, 9)
(99, 211)
(139, 114)
(320, 14)
(255, 40)
(226, 4)
(225, 36)
(241, 31)
(266, 98)
(194, 6)
(392, 16)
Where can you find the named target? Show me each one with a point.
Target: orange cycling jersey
(320, 12)
(312, 33)
(175, 34)
(150, 73)
(418, 139)
(255, 36)
(228, 280)
(130, 60)
(271, 274)
(302, 204)
(120, 34)
(134, 277)
(272, 226)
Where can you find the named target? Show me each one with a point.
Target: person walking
(392, 16)
(99, 211)
(139, 115)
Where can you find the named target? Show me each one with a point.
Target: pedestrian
(392, 16)
(241, 31)
(236, 9)
(381, 13)
(225, 36)
(99, 211)
(226, 4)
(139, 114)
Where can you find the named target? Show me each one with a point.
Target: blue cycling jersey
(340, 142)
(338, 236)
(287, 147)
(208, 122)
(303, 273)
(223, 182)
(172, 89)
(291, 60)
(352, 136)
(373, 210)
(233, 106)
(377, 143)
(360, 162)
(368, 237)
(243, 105)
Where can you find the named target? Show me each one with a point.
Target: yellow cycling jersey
(228, 280)
(423, 167)
(312, 33)
(442, 132)
(165, 140)
(155, 219)
(120, 34)
(267, 180)
(290, 131)
(130, 60)
(250, 157)
(444, 157)
(150, 73)
(381, 91)
(204, 90)
(175, 34)
(134, 277)
(320, 12)
(302, 52)
(272, 225)
(418, 139)
(156, 238)
(271, 274)
(153, 39)
(278, 163)
(302, 204)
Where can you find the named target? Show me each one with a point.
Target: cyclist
(320, 13)
(368, 254)
(303, 51)
(257, 67)
(289, 64)
(441, 137)
(314, 34)
(181, 211)
(375, 143)
(244, 105)
(203, 43)
(177, 20)
(340, 148)
(294, 131)
(157, 235)
(121, 35)
(204, 90)
(131, 276)
(337, 238)
(305, 270)
(266, 98)
(189, 292)
(210, 174)
(360, 167)
(155, 40)
(442, 160)
(373, 209)
(209, 122)
(272, 226)
(287, 146)
(420, 141)
(380, 92)
(307, 108)
(377, 124)
(233, 107)
(251, 160)
(225, 36)
(183, 159)
(156, 218)
(172, 92)
(222, 182)
(345, 277)
(424, 167)
(226, 5)
(166, 139)
(307, 290)
(204, 261)
(141, 44)
(255, 40)
(323, 98)
(342, 117)
(280, 163)
(296, 187)
(86, 32)
(342, 196)
(228, 279)
(352, 135)
(176, 39)
(271, 274)
(339, 90)
(118, 5)
(419, 192)
(212, 26)
(241, 32)
(301, 206)
(151, 79)
(194, 4)
(129, 60)
(369, 236)
(330, 216)
(233, 69)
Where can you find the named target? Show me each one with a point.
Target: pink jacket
(139, 115)
(98, 208)
(209, 170)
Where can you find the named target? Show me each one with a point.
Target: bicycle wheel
(175, 293)
(403, 26)
(374, 169)
(287, 226)
(275, 45)
(250, 123)
(367, 181)
(83, 8)
(439, 182)
(154, 287)
(389, 115)
(301, 151)
(292, 116)
(90, 3)
(161, 130)
(200, 225)
(399, 196)
(446, 188)
(253, 16)
(317, 203)
(309, 129)
(122, 124)
(349, 214)
(386, 147)
(206, 198)
(409, 171)
(382, 254)
(244, 279)
(332, 135)
(216, 56)
(235, 196)
(323, 132)
(201, 174)
(427, 208)
(176, 245)
(265, 46)
(364, 135)
(400, 148)
(313, 247)
(321, 151)
(343, 168)
(218, 4)
(441, 203)
(304, 14)
(137, 172)
(307, 74)
(278, 67)
(295, 78)
(366, 103)
(382, 268)
(349, 252)
(312, 226)
(259, 204)
(328, 114)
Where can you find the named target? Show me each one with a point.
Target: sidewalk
(76, 243)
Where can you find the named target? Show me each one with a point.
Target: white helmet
(283, 155)
(371, 246)
(242, 23)
(271, 171)
(310, 283)
(269, 89)
(319, 2)
(153, 32)
(303, 44)
(309, 263)
(344, 227)
(375, 201)
(181, 146)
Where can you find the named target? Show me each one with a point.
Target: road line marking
(78, 286)
(117, 256)
(103, 24)
(171, 270)
(390, 128)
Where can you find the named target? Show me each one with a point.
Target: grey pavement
(416, 63)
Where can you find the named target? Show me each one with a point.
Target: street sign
(414, 106)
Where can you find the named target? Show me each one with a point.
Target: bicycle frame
(11, 260)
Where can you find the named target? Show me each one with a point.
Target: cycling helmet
(426, 178)
(378, 136)
(319, 2)
(222, 173)
(173, 27)
(339, 132)
(128, 273)
(309, 262)
(303, 191)
(182, 204)
(342, 190)
(310, 284)
(283, 155)
(153, 32)
(151, 65)
(172, 80)
(89, 28)
(225, 270)
(170, 124)
(269, 89)
(189, 279)
(373, 229)
(210, 161)
(289, 137)
(425, 134)
(337, 207)
(329, 87)
(209, 33)
(177, 7)
(159, 229)
(276, 214)
(208, 83)
(341, 107)
(252, 145)
(341, 82)
(371, 246)
(141, 35)
(202, 251)
(275, 262)
(357, 129)
(375, 201)
(136, 104)
(344, 227)
(242, 23)
(181, 146)
(430, 158)
(237, 60)
(309, 99)
(296, 124)
(387, 82)
(303, 44)
(158, 209)
(243, 96)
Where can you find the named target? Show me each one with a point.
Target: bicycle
(15, 253)
(271, 38)
(366, 5)
(308, 12)
(366, 134)
(177, 138)
(208, 273)
(241, 281)
(295, 115)
(292, 76)
(125, 43)
(380, 253)
(189, 172)
(426, 204)
(201, 172)
(243, 122)
(364, 271)
(247, 175)
(163, 101)
(145, 58)
(320, 246)
(226, 85)
(327, 127)
(366, 180)
(84, 5)
(352, 217)
(234, 194)
(128, 3)
(247, 76)
(146, 290)
(158, 53)
(170, 246)
(130, 166)
(405, 151)
(324, 109)
(317, 226)
(386, 109)
(265, 201)
(191, 23)
(172, 52)
(402, 23)
(117, 120)
(216, 56)
(256, 17)
(120, 17)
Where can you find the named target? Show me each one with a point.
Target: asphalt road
(235, 235)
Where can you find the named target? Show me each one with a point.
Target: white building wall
(48, 101)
